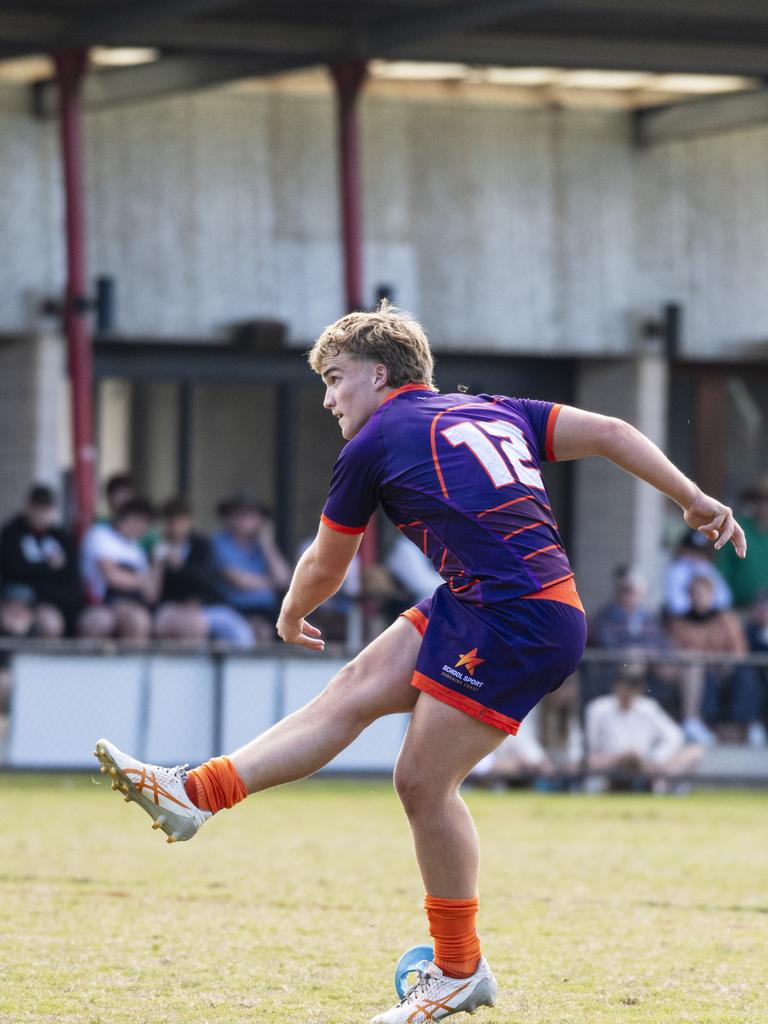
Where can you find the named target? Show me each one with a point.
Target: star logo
(469, 661)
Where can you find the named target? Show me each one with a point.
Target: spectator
(629, 733)
(748, 577)
(757, 639)
(625, 622)
(254, 571)
(121, 577)
(628, 626)
(37, 553)
(519, 756)
(412, 570)
(693, 558)
(730, 694)
(192, 604)
(17, 621)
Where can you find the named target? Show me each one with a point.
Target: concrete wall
(33, 416)
(505, 228)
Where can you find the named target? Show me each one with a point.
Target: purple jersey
(459, 475)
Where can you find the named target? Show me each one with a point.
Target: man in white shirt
(628, 732)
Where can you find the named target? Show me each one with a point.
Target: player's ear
(380, 376)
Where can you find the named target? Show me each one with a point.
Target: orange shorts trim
(466, 704)
(417, 618)
(563, 591)
(339, 528)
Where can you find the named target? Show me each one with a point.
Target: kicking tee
(460, 476)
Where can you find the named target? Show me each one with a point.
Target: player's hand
(716, 521)
(301, 632)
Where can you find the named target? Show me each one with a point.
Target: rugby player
(460, 475)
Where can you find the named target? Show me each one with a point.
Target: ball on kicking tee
(405, 972)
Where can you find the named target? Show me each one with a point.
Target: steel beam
(164, 77)
(701, 117)
(528, 49)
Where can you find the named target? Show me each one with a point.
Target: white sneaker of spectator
(756, 734)
(696, 732)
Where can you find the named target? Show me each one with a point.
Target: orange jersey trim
(416, 618)
(549, 451)
(466, 704)
(540, 551)
(339, 528)
(563, 591)
(407, 387)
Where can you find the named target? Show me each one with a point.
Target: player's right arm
(578, 433)
(320, 572)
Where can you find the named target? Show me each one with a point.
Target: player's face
(354, 389)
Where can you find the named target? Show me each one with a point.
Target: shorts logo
(470, 661)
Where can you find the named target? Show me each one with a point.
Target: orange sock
(453, 926)
(215, 785)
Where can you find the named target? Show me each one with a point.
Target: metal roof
(208, 41)
(707, 35)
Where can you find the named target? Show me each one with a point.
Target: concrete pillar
(33, 404)
(618, 519)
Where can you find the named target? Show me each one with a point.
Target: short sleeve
(542, 417)
(355, 485)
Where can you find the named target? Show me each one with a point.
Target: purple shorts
(495, 664)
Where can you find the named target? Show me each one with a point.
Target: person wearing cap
(692, 559)
(38, 554)
(748, 579)
(255, 574)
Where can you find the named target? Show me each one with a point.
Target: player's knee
(347, 692)
(411, 787)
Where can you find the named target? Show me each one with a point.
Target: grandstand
(568, 194)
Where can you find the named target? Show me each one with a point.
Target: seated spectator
(519, 756)
(730, 694)
(626, 625)
(17, 621)
(254, 571)
(625, 622)
(40, 555)
(748, 577)
(192, 604)
(694, 557)
(628, 733)
(412, 569)
(757, 640)
(121, 577)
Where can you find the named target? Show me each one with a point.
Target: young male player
(459, 474)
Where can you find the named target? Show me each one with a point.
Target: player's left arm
(320, 572)
(578, 433)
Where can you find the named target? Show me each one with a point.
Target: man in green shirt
(748, 578)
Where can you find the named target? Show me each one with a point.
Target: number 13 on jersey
(504, 460)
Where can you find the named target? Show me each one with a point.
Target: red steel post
(349, 78)
(71, 66)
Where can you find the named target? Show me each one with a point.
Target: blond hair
(388, 335)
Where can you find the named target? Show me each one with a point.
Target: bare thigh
(378, 680)
(441, 747)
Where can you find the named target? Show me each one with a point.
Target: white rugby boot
(435, 995)
(158, 791)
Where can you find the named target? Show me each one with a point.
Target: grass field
(294, 908)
